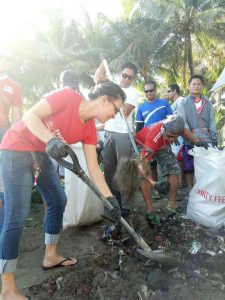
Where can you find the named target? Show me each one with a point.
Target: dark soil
(115, 270)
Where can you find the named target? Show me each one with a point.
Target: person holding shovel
(60, 118)
(155, 140)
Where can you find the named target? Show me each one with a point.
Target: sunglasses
(129, 77)
(149, 91)
(116, 109)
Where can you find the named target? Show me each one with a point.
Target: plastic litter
(195, 247)
(112, 232)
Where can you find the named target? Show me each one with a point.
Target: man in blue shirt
(152, 111)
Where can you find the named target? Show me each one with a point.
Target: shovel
(77, 170)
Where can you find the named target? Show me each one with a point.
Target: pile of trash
(116, 270)
(176, 233)
(201, 251)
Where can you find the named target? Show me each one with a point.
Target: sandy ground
(114, 269)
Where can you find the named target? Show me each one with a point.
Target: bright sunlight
(22, 18)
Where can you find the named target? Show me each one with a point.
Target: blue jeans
(17, 174)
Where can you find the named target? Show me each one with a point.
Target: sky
(14, 14)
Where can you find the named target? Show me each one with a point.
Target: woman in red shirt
(61, 117)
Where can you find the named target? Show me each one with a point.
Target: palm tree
(41, 60)
(190, 23)
(171, 39)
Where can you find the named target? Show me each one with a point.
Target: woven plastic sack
(206, 204)
(83, 206)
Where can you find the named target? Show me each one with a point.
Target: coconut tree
(44, 56)
(40, 60)
(193, 25)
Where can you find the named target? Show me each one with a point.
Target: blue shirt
(150, 113)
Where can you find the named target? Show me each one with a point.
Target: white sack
(83, 206)
(206, 204)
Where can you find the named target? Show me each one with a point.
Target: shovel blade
(169, 260)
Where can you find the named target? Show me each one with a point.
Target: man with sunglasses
(153, 109)
(150, 112)
(117, 140)
(173, 93)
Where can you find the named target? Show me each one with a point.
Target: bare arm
(100, 74)
(189, 136)
(33, 120)
(94, 170)
(16, 114)
(127, 109)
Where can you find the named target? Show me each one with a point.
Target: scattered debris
(58, 282)
(195, 247)
(116, 270)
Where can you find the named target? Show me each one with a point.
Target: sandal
(152, 217)
(60, 264)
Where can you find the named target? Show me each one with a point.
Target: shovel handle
(77, 170)
(74, 166)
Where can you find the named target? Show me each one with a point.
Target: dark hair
(151, 82)
(174, 123)
(196, 77)
(107, 88)
(69, 78)
(175, 87)
(129, 65)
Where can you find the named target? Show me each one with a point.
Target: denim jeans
(17, 173)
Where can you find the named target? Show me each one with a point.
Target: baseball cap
(69, 78)
(173, 124)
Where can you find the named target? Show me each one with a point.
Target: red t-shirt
(64, 123)
(10, 95)
(152, 137)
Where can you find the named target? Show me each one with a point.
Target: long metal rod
(130, 134)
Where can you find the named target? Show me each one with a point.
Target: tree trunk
(189, 54)
(184, 65)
